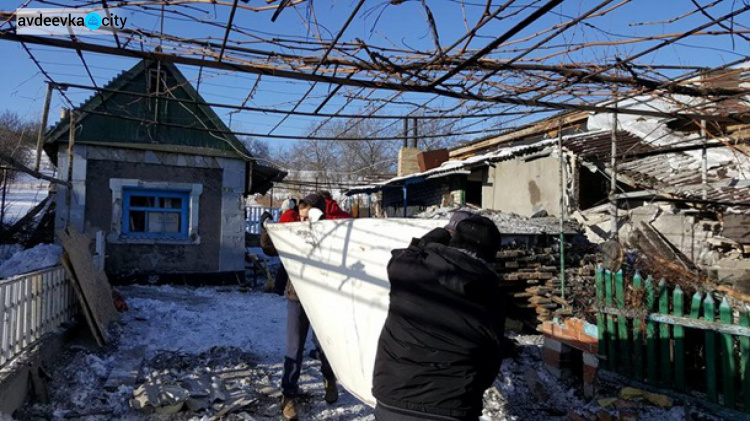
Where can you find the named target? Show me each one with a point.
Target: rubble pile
(509, 223)
(214, 384)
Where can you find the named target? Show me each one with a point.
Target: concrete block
(590, 360)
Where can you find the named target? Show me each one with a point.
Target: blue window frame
(152, 213)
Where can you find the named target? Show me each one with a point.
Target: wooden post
(728, 366)
(709, 315)
(679, 340)
(638, 332)
(43, 127)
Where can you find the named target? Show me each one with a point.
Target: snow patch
(33, 259)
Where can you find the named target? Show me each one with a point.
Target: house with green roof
(153, 167)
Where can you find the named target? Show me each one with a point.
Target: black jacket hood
(461, 272)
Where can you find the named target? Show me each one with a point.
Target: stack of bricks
(529, 277)
(566, 341)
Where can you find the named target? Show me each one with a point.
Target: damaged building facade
(167, 194)
(682, 189)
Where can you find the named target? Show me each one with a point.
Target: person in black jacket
(439, 349)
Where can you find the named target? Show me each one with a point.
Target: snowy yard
(196, 331)
(18, 202)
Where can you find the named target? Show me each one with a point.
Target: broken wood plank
(85, 308)
(93, 283)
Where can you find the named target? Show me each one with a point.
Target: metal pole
(71, 144)
(405, 202)
(406, 132)
(704, 166)
(416, 133)
(562, 209)
(613, 235)
(5, 187)
(43, 127)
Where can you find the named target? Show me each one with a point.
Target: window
(150, 212)
(154, 213)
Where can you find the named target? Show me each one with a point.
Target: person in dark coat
(440, 347)
(312, 207)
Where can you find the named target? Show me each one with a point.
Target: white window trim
(117, 185)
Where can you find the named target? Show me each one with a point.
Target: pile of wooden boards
(90, 283)
(530, 280)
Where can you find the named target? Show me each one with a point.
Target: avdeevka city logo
(66, 22)
(93, 21)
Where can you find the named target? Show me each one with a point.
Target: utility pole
(43, 127)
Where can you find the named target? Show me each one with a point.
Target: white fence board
(32, 305)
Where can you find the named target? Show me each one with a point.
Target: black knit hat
(479, 235)
(315, 200)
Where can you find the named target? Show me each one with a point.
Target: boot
(288, 409)
(332, 391)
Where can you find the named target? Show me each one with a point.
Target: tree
(17, 136)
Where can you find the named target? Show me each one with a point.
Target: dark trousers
(297, 325)
(389, 413)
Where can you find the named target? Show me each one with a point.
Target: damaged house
(682, 189)
(157, 171)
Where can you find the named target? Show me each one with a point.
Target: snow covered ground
(231, 329)
(15, 261)
(18, 202)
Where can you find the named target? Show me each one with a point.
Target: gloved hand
(314, 215)
(265, 217)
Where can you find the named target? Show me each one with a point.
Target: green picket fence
(664, 338)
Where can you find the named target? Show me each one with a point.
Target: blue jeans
(297, 325)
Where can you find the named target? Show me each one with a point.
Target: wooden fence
(32, 305)
(253, 214)
(649, 332)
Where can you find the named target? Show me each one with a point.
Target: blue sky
(23, 87)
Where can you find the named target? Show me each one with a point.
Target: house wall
(219, 244)
(523, 187)
(444, 191)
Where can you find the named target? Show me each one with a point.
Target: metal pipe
(405, 202)
(71, 145)
(562, 210)
(613, 180)
(704, 166)
(5, 188)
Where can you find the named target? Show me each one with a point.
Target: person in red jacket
(289, 211)
(333, 210)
